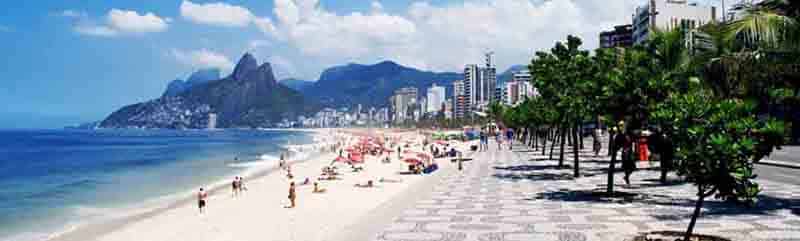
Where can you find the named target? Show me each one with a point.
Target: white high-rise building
(669, 14)
(436, 96)
(460, 99)
(479, 86)
(519, 88)
(404, 102)
(212, 121)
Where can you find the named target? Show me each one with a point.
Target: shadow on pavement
(534, 177)
(531, 167)
(663, 207)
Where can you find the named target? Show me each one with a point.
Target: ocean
(51, 180)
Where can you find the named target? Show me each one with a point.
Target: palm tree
(771, 24)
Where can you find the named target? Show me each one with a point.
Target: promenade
(522, 195)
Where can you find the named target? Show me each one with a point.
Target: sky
(68, 62)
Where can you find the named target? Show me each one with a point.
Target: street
(778, 174)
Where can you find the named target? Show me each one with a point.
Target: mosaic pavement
(520, 195)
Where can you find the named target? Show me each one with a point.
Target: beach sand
(343, 212)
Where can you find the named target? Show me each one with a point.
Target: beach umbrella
(424, 156)
(412, 160)
(340, 159)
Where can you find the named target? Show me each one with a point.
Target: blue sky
(72, 61)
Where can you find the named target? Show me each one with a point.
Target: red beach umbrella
(424, 156)
(412, 161)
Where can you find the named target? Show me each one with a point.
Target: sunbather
(368, 185)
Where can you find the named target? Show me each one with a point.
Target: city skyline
(77, 62)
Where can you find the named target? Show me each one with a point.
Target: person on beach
(369, 184)
(628, 164)
(201, 199)
(317, 189)
(292, 195)
(242, 188)
(499, 139)
(235, 186)
(596, 142)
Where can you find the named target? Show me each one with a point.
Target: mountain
(372, 85)
(509, 74)
(296, 84)
(249, 97)
(200, 77)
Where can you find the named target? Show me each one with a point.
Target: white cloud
(283, 67)
(315, 31)
(255, 44)
(130, 21)
(224, 15)
(95, 30)
(202, 58)
(117, 22)
(444, 37)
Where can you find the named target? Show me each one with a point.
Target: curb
(780, 164)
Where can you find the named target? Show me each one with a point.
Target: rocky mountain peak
(262, 74)
(246, 64)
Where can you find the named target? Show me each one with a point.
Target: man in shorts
(201, 199)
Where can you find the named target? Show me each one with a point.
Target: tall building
(669, 14)
(621, 36)
(511, 95)
(460, 99)
(519, 88)
(436, 96)
(404, 102)
(212, 121)
(480, 85)
(448, 108)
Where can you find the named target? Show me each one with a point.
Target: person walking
(498, 137)
(201, 199)
(235, 187)
(292, 195)
(596, 146)
(510, 137)
(628, 162)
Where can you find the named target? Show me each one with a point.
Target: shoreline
(152, 207)
(344, 212)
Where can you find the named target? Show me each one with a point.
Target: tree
(717, 143)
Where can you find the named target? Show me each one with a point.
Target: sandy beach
(343, 212)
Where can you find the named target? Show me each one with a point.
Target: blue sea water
(52, 178)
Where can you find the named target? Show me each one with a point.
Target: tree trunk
(580, 137)
(611, 135)
(553, 143)
(544, 141)
(563, 142)
(664, 171)
(701, 195)
(612, 150)
(575, 158)
(570, 137)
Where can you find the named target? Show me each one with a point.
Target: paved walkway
(520, 195)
